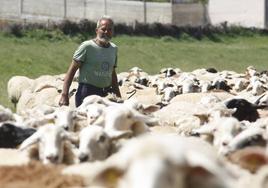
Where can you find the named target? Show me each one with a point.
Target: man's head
(104, 29)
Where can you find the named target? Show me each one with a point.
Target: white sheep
(151, 161)
(121, 119)
(223, 129)
(96, 144)
(13, 157)
(16, 85)
(52, 146)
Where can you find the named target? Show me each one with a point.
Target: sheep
(250, 158)
(137, 71)
(251, 71)
(196, 97)
(258, 179)
(142, 108)
(12, 136)
(146, 96)
(49, 96)
(52, 148)
(240, 84)
(220, 84)
(46, 81)
(91, 99)
(245, 138)
(93, 113)
(168, 72)
(151, 161)
(96, 144)
(16, 85)
(223, 130)
(13, 157)
(6, 114)
(189, 86)
(175, 111)
(65, 117)
(262, 100)
(244, 109)
(168, 94)
(121, 119)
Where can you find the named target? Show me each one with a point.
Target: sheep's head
(50, 139)
(94, 144)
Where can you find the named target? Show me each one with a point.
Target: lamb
(52, 146)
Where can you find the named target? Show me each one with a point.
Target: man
(96, 60)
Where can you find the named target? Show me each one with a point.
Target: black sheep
(244, 109)
(11, 136)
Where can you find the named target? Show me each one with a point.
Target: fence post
(21, 8)
(266, 14)
(105, 7)
(65, 8)
(85, 9)
(145, 11)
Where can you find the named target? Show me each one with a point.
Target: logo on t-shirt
(105, 66)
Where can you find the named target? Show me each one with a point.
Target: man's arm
(64, 100)
(115, 84)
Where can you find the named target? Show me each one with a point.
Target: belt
(104, 89)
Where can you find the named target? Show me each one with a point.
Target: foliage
(85, 28)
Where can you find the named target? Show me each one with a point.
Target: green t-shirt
(97, 63)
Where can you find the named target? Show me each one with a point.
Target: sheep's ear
(138, 117)
(70, 136)
(50, 116)
(204, 118)
(78, 115)
(163, 70)
(232, 110)
(30, 141)
(150, 108)
(116, 135)
(205, 129)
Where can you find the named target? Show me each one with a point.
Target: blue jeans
(85, 90)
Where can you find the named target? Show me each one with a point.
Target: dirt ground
(37, 175)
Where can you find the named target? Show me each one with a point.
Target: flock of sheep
(175, 129)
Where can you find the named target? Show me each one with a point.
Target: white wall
(9, 8)
(248, 13)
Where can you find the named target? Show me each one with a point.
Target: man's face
(104, 31)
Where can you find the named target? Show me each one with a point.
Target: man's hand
(64, 100)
